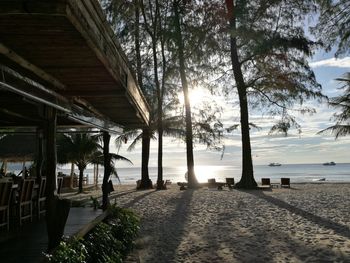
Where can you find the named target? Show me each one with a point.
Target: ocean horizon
(298, 173)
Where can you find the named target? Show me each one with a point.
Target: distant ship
(319, 179)
(330, 163)
(274, 164)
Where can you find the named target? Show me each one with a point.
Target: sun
(197, 96)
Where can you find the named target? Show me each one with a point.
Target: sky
(307, 147)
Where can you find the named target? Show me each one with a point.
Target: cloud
(332, 62)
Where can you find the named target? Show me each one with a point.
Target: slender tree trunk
(81, 176)
(146, 183)
(247, 179)
(192, 180)
(96, 180)
(71, 183)
(107, 170)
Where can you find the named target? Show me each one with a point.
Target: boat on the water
(329, 163)
(275, 164)
(319, 179)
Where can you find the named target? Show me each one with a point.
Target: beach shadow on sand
(323, 222)
(138, 198)
(170, 230)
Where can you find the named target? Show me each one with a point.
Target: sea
(298, 173)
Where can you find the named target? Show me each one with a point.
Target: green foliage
(69, 252)
(333, 27)
(107, 242)
(102, 245)
(125, 226)
(342, 102)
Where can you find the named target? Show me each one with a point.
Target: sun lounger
(230, 182)
(285, 182)
(212, 184)
(265, 182)
(182, 185)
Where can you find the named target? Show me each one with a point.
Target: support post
(56, 210)
(107, 170)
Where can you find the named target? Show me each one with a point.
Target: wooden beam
(88, 227)
(29, 66)
(93, 93)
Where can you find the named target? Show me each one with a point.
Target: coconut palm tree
(78, 148)
(83, 149)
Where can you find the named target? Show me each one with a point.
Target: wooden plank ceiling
(71, 43)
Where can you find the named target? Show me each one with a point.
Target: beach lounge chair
(5, 197)
(182, 185)
(285, 182)
(230, 182)
(212, 184)
(265, 182)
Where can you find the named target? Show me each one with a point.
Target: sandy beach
(307, 223)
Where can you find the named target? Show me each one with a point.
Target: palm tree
(78, 148)
(342, 102)
(172, 126)
(83, 149)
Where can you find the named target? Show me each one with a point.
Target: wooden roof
(64, 52)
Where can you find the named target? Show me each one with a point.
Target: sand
(307, 223)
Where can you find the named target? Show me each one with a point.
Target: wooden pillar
(50, 151)
(56, 210)
(107, 170)
(39, 153)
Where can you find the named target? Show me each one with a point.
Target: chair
(59, 185)
(41, 199)
(230, 182)
(25, 203)
(212, 183)
(285, 182)
(265, 182)
(5, 197)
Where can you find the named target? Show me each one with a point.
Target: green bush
(69, 252)
(107, 242)
(125, 226)
(103, 246)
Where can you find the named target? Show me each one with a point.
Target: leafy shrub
(107, 242)
(125, 226)
(69, 252)
(103, 246)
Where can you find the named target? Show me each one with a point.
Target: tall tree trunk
(71, 183)
(107, 170)
(146, 183)
(81, 177)
(192, 180)
(96, 179)
(247, 180)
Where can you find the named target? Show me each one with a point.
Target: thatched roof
(17, 147)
